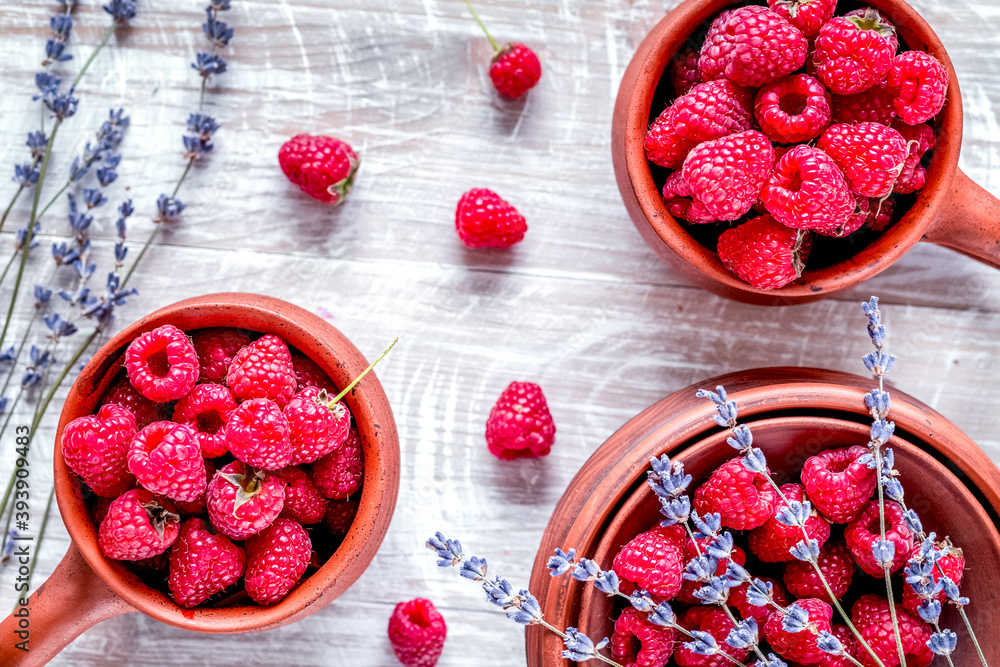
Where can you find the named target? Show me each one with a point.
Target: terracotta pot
(951, 210)
(794, 413)
(87, 587)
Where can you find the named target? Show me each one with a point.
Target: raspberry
(688, 587)
(871, 106)
(242, 502)
(806, 15)
(856, 220)
(886, 27)
(138, 525)
(870, 155)
(309, 374)
(744, 499)
(837, 566)
(807, 190)
(202, 564)
(871, 617)
(853, 53)
(953, 565)
(714, 622)
(919, 139)
(638, 643)
(257, 433)
(846, 637)
(678, 199)
(339, 473)
(323, 167)
(663, 145)
(920, 83)
(206, 410)
(216, 349)
(878, 213)
(197, 506)
(684, 72)
(417, 632)
(484, 220)
(764, 253)
(738, 596)
(96, 448)
(863, 531)
(263, 369)
(340, 515)
(515, 70)
(143, 410)
(166, 459)
(726, 175)
(751, 46)
(315, 427)
(837, 483)
(162, 364)
(303, 501)
(772, 541)
(800, 646)
(654, 561)
(792, 109)
(276, 559)
(520, 424)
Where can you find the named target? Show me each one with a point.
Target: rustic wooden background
(582, 306)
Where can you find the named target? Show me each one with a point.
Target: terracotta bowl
(794, 413)
(87, 587)
(951, 210)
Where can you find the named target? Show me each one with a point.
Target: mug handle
(971, 224)
(72, 600)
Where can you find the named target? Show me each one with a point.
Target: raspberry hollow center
(839, 465)
(793, 104)
(158, 364)
(210, 422)
(418, 616)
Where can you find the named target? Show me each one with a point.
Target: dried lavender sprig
(829, 643)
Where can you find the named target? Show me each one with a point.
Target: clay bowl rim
(342, 361)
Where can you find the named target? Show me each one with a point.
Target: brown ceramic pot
(87, 587)
(951, 210)
(794, 413)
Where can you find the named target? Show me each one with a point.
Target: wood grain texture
(582, 306)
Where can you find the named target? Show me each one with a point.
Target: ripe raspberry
(738, 596)
(684, 72)
(520, 424)
(679, 201)
(166, 459)
(726, 175)
(663, 145)
(96, 448)
(853, 53)
(764, 253)
(242, 502)
(263, 369)
(800, 646)
(654, 561)
(162, 364)
(143, 410)
(197, 506)
(885, 26)
(257, 434)
(303, 501)
(417, 632)
(323, 167)
(837, 484)
(863, 531)
(202, 564)
(515, 70)
(807, 190)
(837, 566)
(340, 515)
(772, 541)
(638, 643)
(871, 617)
(792, 109)
(339, 473)
(953, 565)
(857, 219)
(846, 637)
(871, 106)
(309, 374)
(315, 428)
(276, 559)
(870, 155)
(715, 622)
(878, 213)
(138, 525)
(216, 349)
(806, 15)
(751, 46)
(484, 220)
(920, 83)
(206, 410)
(744, 499)
(686, 594)
(919, 139)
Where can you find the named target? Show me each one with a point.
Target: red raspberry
(520, 424)
(309, 374)
(806, 15)
(726, 175)
(197, 506)
(216, 349)
(303, 501)
(323, 167)
(276, 559)
(242, 502)
(857, 219)
(417, 632)
(953, 565)
(871, 617)
(484, 220)
(837, 483)
(846, 637)
(206, 410)
(837, 566)
(919, 139)
(738, 597)
(138, 525)
(679, 201)
(853, 53)
(202, 564)
(638, 643)
(340, 515)
(807, 190)
(654, 561)
(263, 369)
(863, 531)
(686, 594)
(339, 473)
(884, 25)
(871, 106)
(920, 83)
(751, 46)
(684, 72)
(870, 155)
(166, 459)
(315, 428)
(663, 145)
(800, 646)
(715, 622)
(764, 253)
(744, 499)
(162, 364)
(772, 541)
(792, 109)
(878, 213)
(144, 410)
(515, 70)
(257, 433)
(96, 448)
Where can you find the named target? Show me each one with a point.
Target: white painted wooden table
(582, 306)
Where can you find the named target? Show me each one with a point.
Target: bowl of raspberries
(779, 152)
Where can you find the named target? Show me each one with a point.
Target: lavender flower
(218, 32)
(743, 635)
(63, 106)
(93, 197)
(168, 208)
(579, 646)
(102, 309)
(42, 295)
(208, 64)
(25, 174)
(46, 83)
(58, 326)
(37, 141)
(943, 643)
(561, 562)
(121, 10)
(796, 619)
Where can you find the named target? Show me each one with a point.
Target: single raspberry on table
(520, 424)
(954, 568)
(919, 139)
(654, 561)
(751, 46)
(515, 70)
(206, 410)
(303, 501)
(276, 559)
(144, 410)
(835, 562)
(417, 632)
(638, 643)
(323, 167)
(484, 220)
(263, 369)
(864, 531)
(715, 622)
(257, 433)
(726, 175)
(807, 190)
(309, 374)
(162, 364)
(800, 646)
(871, 155)
(242, 502)
(95, 447)
(871, 617)
(846, 637)
(792, 109)
(764, 253)
(202, 564)
(339, 473)
(680, 202)
(853, 53)
(340, 515)
(919, 82)
(166, 459)
(684, 71)
(806, 15)
(138, 525)
(837, 483)
(688, 587)
(743, 499)
(197, 506)
(316, 425)
(216, 349)
(738, 596)
(772, 541)
(871, 106)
